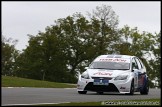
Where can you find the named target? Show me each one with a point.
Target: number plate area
(101, 82)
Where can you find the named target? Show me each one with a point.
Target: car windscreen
(110, 65)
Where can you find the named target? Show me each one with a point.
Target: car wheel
(131, 88)
(145, 89)
(100, 92)
(82, 92)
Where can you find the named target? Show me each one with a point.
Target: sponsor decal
(103, 73)
(113, 60)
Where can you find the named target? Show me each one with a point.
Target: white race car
(114, 73)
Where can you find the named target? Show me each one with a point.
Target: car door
(141, 73)
(135, 70)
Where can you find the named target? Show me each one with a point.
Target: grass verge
(143, 102)
(8, 81)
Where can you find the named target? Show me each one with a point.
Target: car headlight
(85, 75)
(121, 77)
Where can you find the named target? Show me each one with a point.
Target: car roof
(115, 56)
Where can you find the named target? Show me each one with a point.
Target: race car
(123, 74)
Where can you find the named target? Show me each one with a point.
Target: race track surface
(29, 96)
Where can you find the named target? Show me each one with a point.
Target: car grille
(109, 78)
(105, 88)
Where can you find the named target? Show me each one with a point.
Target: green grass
(8, 81)
(143, 102)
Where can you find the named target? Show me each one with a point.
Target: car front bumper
(120, 86)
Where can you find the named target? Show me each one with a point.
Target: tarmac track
(34, 96)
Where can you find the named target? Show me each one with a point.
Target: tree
(9, 55)
(141, 45)
(155, 63)
(63, 48)
(42, 59)
(75, 40)
(79, 44)
(104, 23)
(106, 15)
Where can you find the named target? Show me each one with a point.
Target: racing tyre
(100, 92)
(145, 89)
(82, 92)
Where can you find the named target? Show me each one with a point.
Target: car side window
(134, 64)
(138, 63)
(141, 63)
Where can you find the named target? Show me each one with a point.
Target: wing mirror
(134, 67)
(86, 68)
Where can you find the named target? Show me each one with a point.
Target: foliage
(64, 48)
(9, 55)
(144, 45)
(155, 63)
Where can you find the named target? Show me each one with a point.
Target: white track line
(14, 87)
(33, 104)
(70, 88)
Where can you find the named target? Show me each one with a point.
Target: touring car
(123, 74)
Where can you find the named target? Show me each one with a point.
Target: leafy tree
(43, 58)
(75, 35)
(155, 63)
(106, 15)
(69, 45)
(104, 23)
(9, 55)
(138, 44)
(64, 48)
